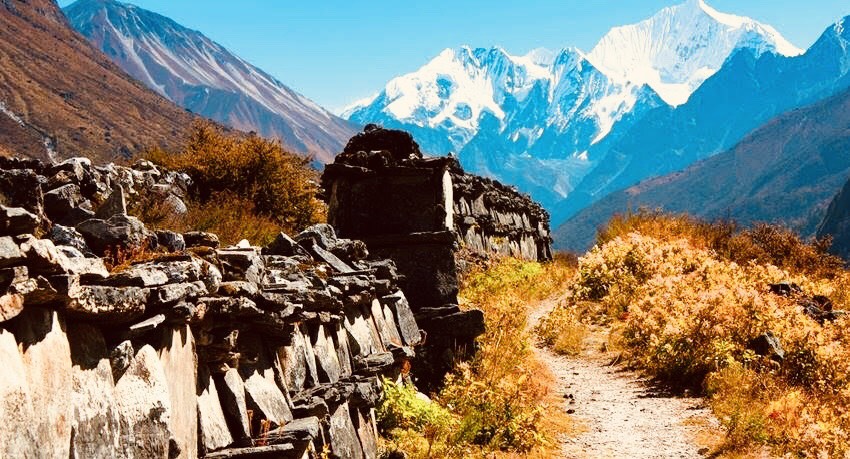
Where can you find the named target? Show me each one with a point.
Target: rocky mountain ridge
(545, 120)
(784, 172)
(201, 75)
(61, 97)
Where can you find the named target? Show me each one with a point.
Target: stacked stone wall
(194, 350)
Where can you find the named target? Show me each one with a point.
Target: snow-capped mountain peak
(681, 46)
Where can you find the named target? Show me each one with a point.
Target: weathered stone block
(179, 362)
(47, 364)
(144, 407)
(213, 431)
(96, 426)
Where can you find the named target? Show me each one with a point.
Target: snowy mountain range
(544, 120)
(195, 72)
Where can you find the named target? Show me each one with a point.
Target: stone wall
(418, 212)
(196, 350)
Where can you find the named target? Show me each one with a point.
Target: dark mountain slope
(786, 171)
(58, 93)
(206, 78)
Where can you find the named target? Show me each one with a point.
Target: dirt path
(621, 415)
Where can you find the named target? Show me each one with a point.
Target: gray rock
(69, 236)
(179, 362)
(366, 431)
(344, 442)
(172, 241)
(108, 304)
(327, 359)
(22, 188)
(66, 205)
(200, 239)
(43, 257)
(386, 329)
(213, 431)
(235, 307)
(120, 358)
(343, 352)
(118, 231)
(232, 392)
(114, 205)
(360, 340)
(173, 293)
(299, 430)
(298, 372)
(11, 304)
(10, 253)
(17, 220)
(265, 397)
(144, 407)
(141, 275)
(285, 246)
(91, 269)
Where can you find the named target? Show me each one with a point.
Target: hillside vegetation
(501, 404)
(243, 187)
(691, 304)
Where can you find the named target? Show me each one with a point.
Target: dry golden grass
(686, 297)
(501, 400)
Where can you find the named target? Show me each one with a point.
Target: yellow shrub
(687, 314)
(276, 185)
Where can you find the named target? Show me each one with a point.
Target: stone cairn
(194, 351)
(419, 211)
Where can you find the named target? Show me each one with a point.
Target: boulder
(399, 144)
(117, 231)
(407, 326)
(10, 252)
(200, 239)
(42, 257)
(66, 205)
(69, 236)
(114, 205)
(327, 359)
(22, 188)
(108, 304)
(17, 220)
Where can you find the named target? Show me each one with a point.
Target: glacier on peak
(681, 46)
(544, 119)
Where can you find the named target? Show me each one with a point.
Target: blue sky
(338, 51)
